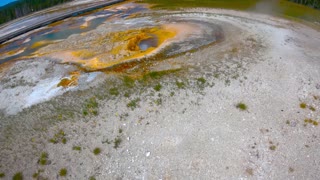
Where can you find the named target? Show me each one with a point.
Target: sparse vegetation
(76, 148)
(43, 158)
(18, 176)
(312, 108)
(303, 105)
(158, 101)
(114, 91)
(157, 87)
(272, 147)
(128, 82)
(92, 178)
(35, 175)
(63, 172)
(2, 175)
(120, 130)
(133, 103)
(310, 121)
(96, 151)
(91, 107)
(201, 81)
(180, 85)
(59, 137)
(117, 142)
(127, 94)
(242, 106)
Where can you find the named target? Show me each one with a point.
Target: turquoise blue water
(4, 2)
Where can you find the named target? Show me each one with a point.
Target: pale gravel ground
(195, 134)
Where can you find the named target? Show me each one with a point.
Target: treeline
(311, 3)
(24, 7)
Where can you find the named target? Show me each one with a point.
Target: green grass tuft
(180, 85)
(76, 148)
(63, 172)
(273, 147)
(114, 91)
(128, 82)
(59, 137)
(157, 87)
(96, 151)
(201, 80)
(242, 106)
(312, 108)
(117, 142)
(43, 159)
(133, 103)
(2, 175)
(18, 176)
(303, 105)
(35, 175)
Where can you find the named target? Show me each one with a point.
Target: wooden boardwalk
(54, 19)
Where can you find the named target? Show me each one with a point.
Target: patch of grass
(158, 101)
(128, 82)
(157, 87)
(43, 158)
(35, 175)
(76, 148)
(107, 141)
(117, 142)
(63, 172)
(96, 151)
(59, 137)
(92, 103)
(153, 75)
(18, 176)
(180, 85)
(273, 147)
(172, 94)
(114, 91)
(133, 103)
(92, 178)
(157, 74)
(90, 107)
(303, 105)
(201, 81)
(2, 175)
(310, 121)
(120, 130)
(312, 108)
(127, 94)
(242, 106)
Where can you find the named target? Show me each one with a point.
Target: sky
(4, 2)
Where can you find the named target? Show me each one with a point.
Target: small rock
(148, 154)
